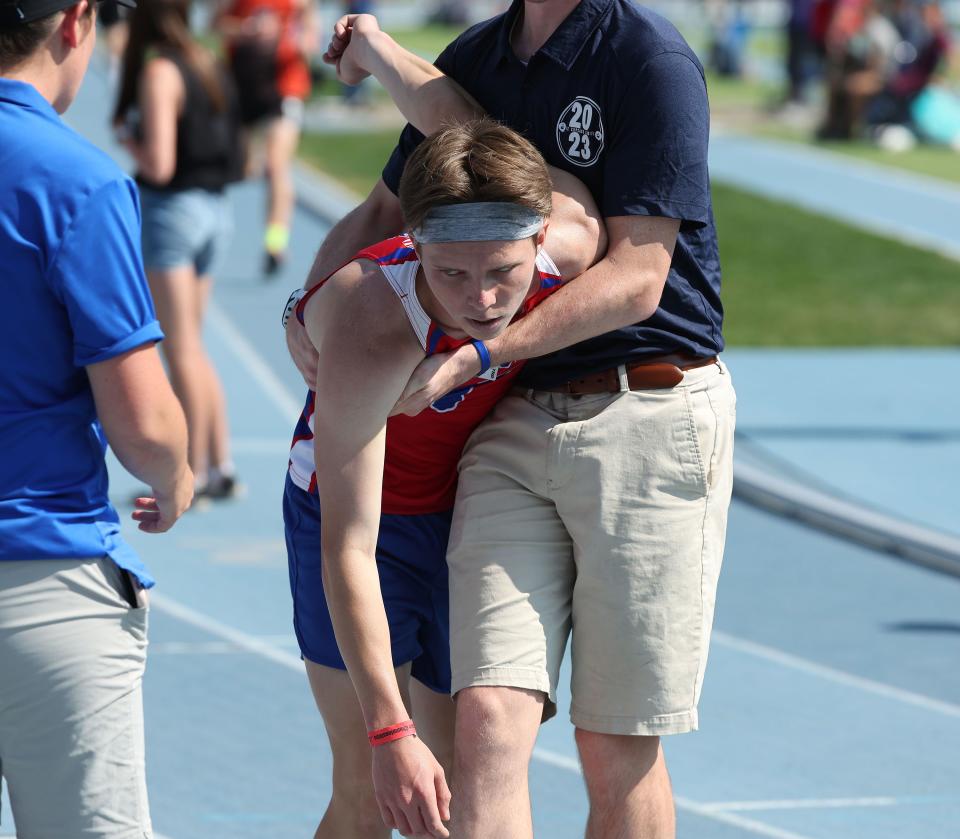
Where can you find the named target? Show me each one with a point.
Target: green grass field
(427, 41)
(791, 278)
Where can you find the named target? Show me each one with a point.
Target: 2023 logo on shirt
(580, 134)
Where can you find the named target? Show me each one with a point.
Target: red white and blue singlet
(420, 465)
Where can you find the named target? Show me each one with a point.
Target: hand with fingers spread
(411, 788)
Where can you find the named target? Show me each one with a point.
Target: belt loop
(622, 374)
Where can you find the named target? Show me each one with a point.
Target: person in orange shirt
(268, 43)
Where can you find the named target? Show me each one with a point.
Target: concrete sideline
(847, 519)
(323, 197)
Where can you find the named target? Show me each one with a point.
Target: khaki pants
(72, 654)
(602, 517)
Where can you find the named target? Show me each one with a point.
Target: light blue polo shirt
(72, 293)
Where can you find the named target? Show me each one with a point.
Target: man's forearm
(603, 298)
(425, 96)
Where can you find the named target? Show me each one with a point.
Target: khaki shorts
(72, 654)
(604, 515)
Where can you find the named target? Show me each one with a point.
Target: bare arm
(367, 351)
(621, 289)
(576, 234)
(146, 429)
(576, 237)
(161, 99)
(377, 217)
(424, 95)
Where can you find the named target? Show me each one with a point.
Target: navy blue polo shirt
(618, 98)
(73, 293)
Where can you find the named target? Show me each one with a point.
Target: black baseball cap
(15, 12)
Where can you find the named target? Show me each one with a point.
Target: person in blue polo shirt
(81, 369)
(592, 504)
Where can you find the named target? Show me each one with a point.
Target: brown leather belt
(658, 372)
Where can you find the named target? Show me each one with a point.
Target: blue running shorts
(412, 563)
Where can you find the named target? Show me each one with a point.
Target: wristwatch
(294, 298)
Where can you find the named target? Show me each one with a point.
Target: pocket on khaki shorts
(703, 422)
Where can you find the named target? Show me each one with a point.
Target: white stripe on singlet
(545, 264)
(403, 280)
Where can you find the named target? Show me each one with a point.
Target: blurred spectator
(177, 113)
(881, 58)
(924, 44)
(80, 368)
(860, 42)
(729, 30)
(449, 13)
(268, 44)
(802, 58)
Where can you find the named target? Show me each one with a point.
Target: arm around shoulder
(576, 234)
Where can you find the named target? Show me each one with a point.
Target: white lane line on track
(804, 804)
(258, 646)
(250, 643)
(831, 674)
(207, 647)
(709, 811)
(287, 403)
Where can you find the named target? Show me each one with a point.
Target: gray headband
(487, 221)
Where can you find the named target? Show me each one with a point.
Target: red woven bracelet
(379, 736)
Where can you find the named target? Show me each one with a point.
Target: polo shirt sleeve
(97, 274)
(410, 138)
(657, 153)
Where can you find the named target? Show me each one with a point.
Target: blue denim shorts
(412, 564)
(185, 227)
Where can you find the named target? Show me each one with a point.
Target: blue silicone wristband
(484, 354)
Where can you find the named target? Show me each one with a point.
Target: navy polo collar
(570, 37)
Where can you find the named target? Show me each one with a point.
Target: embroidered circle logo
(580, 132)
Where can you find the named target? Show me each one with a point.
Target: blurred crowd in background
(866, 69)
(872, 69)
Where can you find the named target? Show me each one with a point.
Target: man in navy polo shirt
(80, 367)
(595, 498)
